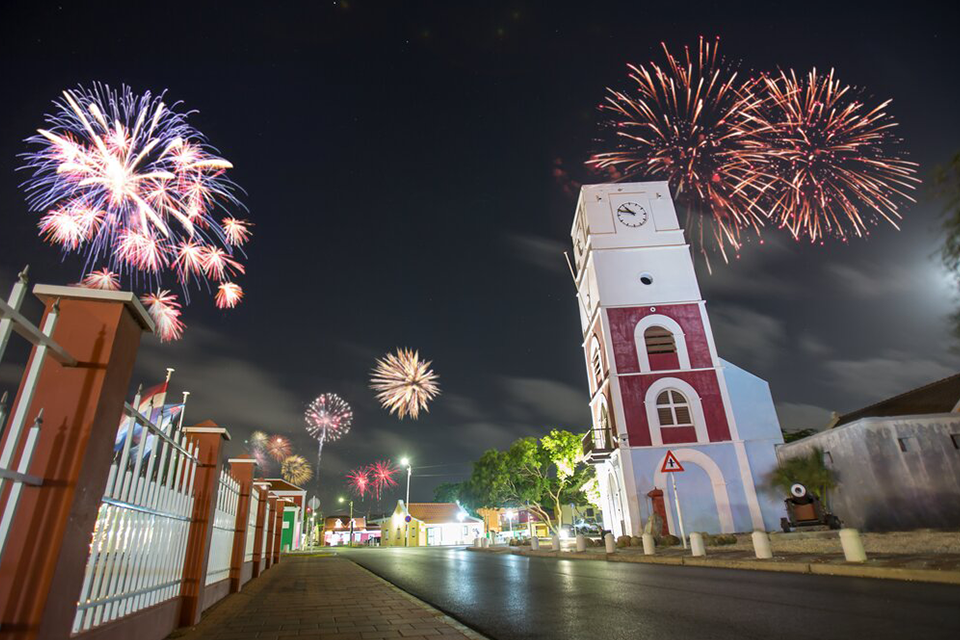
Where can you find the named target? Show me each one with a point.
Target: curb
(813, 568)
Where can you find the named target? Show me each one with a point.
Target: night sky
(399, 162)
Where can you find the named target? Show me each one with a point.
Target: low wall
(214, 593)
(893, 474)
(155, 623)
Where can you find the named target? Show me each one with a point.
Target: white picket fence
(252, 525)
(266, 529)
(139, 541)
(224, 524)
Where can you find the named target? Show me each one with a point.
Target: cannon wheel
(785, 525)
(833, 522)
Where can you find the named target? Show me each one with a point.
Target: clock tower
(656, 381)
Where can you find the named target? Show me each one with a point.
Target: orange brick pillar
(206, 482)
(242, 470)
(278, 529)
(46, 552)
(270, 527)
(261, 489)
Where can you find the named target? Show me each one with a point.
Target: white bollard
(581, 542)
(852, 546)
(556, 542)
(478, 542)
(761, 545)
(696, 544)
(534, 543)
(609, 543)
(649, 545)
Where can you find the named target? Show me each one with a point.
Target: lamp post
(406, 529)
(351, 520)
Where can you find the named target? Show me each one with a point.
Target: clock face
(631, 214)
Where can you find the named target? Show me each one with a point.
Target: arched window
(673, 409)
(596, 361)
(659, 340)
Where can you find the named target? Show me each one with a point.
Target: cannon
(805, 511)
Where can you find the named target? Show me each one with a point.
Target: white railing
(252, 524)
(224, 524)
(140, 538)
(14, 458)
(266, 528)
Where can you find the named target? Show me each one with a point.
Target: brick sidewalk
(322, 597)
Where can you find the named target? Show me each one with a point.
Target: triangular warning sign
(671, 464)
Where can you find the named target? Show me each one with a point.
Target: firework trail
(328, 418)
(833, 159)
(125, 181)
(278, 448)
(165, 311)
(404, 383)
(693, 123)
(381, 473)
(296, 470)
(359, 481)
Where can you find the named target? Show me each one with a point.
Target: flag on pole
(151, 407)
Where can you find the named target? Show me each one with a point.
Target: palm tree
(809, 470)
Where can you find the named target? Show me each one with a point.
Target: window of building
(659, 340)
(908, 444)
(673, 409)
(596, 362)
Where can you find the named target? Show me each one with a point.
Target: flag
(151, 406)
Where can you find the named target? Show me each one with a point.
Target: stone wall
(894, 474)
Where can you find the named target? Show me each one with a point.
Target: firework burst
(835, 161)
(125, 181)
(692, 123)
(381, 474)
(359, 482)
(165, 311)
(296, 470)
(328, 418)
(278, 448)
(102, 279)
(404, 383)
(229, 295)
(259, 439)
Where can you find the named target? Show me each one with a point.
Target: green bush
(668, 541)
(810, 471)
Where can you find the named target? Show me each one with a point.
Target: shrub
(636, 541)
(725, 538)
(623, 541)
(668, 541)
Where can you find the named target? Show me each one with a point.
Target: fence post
(206, 483)
(261, 489)
(278, 529)
(49, 539)
(242, 471)
(270, 530)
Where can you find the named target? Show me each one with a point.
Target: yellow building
(429, 524)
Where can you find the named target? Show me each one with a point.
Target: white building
(656, 381)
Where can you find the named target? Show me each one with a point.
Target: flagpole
(183, 410)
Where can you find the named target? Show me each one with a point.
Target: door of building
(659, 508)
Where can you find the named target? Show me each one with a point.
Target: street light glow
(404, 462)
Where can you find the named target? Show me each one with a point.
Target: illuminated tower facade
(656, 382)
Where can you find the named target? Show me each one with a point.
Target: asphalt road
(505, 596)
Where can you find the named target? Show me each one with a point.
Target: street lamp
(405, 462)
(509, 515)
(342, 500)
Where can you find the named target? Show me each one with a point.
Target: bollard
(761, 545)
(534, 543)
(852, 546)
(486, 543)
(609, 543)
(581, 542)
(556, 542)
(478, 541)
(649, 545)
(696, 545)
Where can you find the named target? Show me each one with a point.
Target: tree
(946, 183)
(539, 474)
(809, 470)
(793, 436)
(448, 492)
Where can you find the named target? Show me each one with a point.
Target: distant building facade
(656, 381)
(897, 462)
(430, 524)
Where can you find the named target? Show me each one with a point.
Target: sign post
(672, 466)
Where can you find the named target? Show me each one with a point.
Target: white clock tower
(656, 382)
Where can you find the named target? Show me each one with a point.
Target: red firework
(692, 123)
(359, 481)
(381, 473)
(834, 162)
